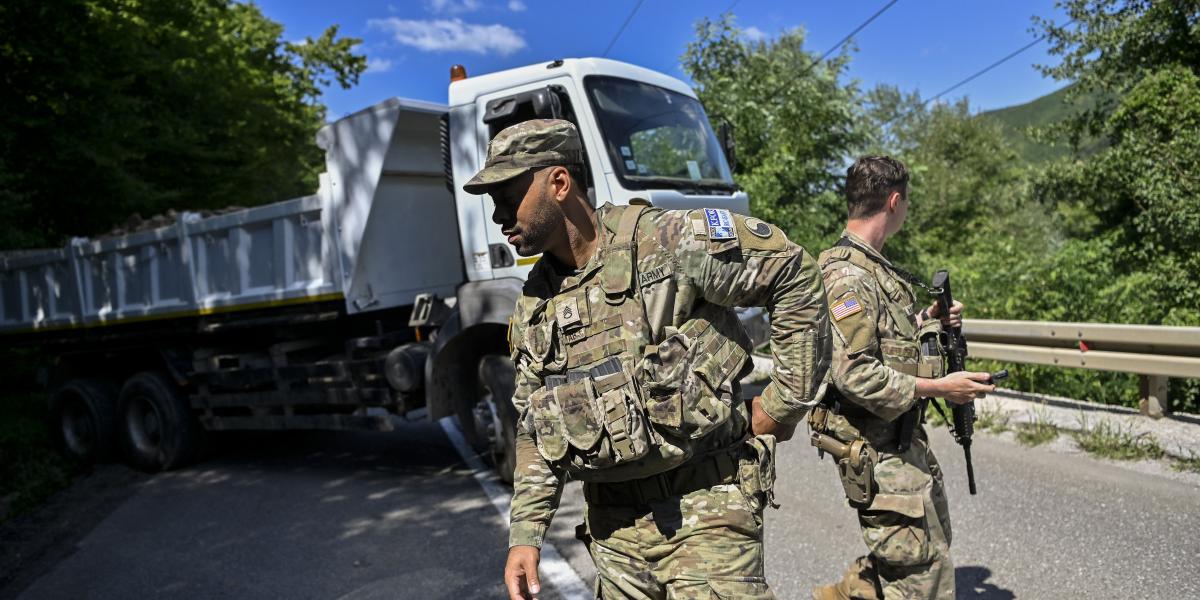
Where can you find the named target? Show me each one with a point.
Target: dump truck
(388, 291)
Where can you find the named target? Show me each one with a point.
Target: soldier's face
(527, 213)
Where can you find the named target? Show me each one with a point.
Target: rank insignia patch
(845, 308)
(567, 312)
(720, 224)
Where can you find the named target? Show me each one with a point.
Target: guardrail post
(1154, 403)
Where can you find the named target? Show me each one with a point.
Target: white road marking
(554, 568)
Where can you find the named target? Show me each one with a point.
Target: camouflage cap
(524, 147)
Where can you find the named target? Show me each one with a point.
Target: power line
(833, 49)
(975, 75)
(852, 34)
(990, 67)
(623, 26)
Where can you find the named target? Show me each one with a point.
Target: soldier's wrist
(526, 534)
(928, 388)
(776, 406)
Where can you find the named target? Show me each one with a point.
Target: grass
(1040, 430)
(1108, 440)
(1190, 464)
(31, 467)
(1103, 438)
(988, 416)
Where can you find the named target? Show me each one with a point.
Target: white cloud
(754, 34)
(516, 5)
(453, 7)
(450, 35)
(378, 65)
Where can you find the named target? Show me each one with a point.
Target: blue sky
(925, 45)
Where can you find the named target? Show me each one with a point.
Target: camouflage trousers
(907, 531)
(703, 544)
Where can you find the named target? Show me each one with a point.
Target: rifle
(954, 345)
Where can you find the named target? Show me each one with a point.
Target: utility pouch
(856, 466)
(756, 472)
(591, 418)
(687, 377)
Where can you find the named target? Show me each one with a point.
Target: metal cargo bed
(258, 257)
(380, 230)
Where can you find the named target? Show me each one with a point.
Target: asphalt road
(347, 515)
(354, 515)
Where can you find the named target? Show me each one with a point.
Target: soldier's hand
(761, 423)
(964, 386)
(954, 319)
(521, 573)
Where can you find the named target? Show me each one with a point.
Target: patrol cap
(524, 147)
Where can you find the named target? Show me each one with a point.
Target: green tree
(794, 123)
(114, 107)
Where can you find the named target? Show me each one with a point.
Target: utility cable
(835, 47)
(623, 26)
(991, 66)
(973, 76)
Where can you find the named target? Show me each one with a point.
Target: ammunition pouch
(591, 417)
(756, 472)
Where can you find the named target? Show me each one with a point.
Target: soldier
(880, 370)
(628, 357)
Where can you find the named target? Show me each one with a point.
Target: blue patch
(720, 224)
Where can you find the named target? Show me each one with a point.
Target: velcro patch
(758, 228)
(845, 307)
(720, 224)
(567, 312)
(652, 275)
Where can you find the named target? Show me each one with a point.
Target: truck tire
(158, 430)
(497, 376)
(84, 419)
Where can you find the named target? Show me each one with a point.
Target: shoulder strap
(627, 226)
(846, 242)
(617, 274)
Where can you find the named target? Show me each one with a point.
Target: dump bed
(380, 230)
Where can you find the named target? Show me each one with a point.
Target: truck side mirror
(546, 104)
(728, 145)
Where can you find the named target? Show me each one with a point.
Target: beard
(533, 236)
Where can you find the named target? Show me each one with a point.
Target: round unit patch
(758, 228)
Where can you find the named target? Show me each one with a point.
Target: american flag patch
(845, 308)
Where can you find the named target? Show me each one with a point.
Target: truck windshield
(657, 138)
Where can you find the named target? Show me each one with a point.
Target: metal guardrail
(1155, 352)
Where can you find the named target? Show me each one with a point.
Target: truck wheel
(84, 414)
(496, 419)
(159, 431)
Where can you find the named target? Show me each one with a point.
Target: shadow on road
(972, 582)
(295, 515)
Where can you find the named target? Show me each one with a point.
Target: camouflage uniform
(876, 360)
(627, 379)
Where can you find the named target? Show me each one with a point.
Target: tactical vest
(616, 404)
(910, 349)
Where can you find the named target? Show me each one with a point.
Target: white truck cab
(645, 135)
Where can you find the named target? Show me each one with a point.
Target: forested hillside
(1022, 124)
